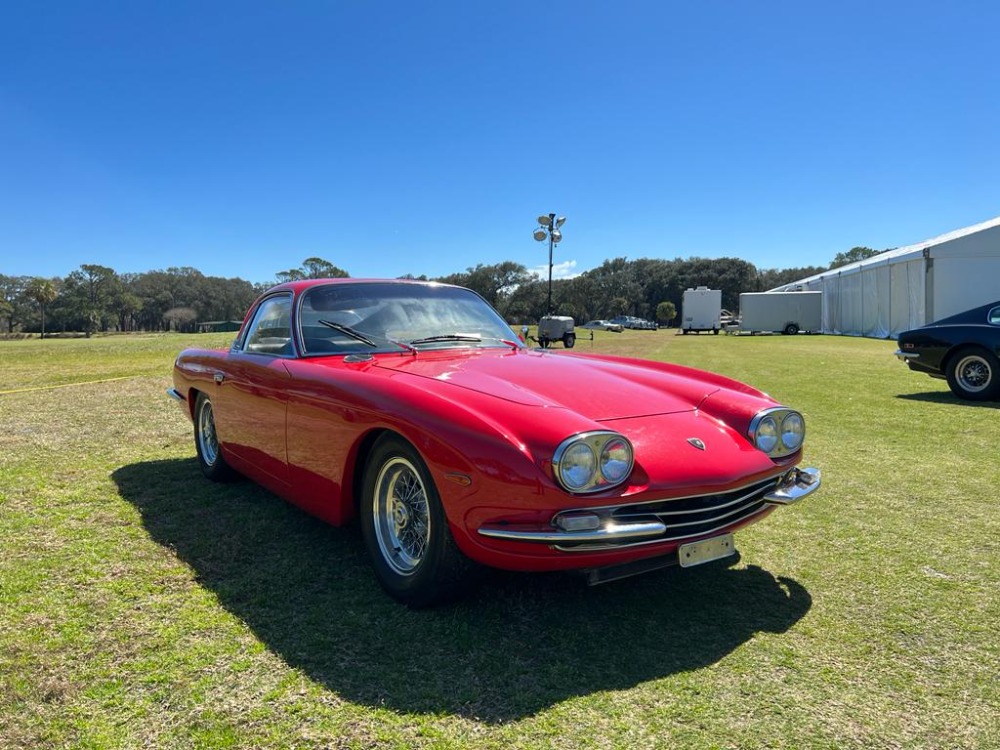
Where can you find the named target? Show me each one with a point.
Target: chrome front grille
(687, 517)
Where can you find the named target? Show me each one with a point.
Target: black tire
(544, 343)
(791, 329)
(206, 442)
(569, 340)
(686, 331)
(974, 374)
(405, 529)
(715, 331)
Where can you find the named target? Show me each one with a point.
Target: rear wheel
(974, 374)
(568, 340)
(791, 329)
(206, 442)
(405, 529)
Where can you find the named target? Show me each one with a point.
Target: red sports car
(415, 406)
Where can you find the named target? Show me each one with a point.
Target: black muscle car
(963, 348)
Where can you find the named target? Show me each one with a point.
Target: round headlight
(577, 466)
(767, 434)
(616, 460)
(793, 430)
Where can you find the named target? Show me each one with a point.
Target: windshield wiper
(447, 337)
(348, 331)
(358, 336)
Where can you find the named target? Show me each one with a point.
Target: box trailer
(781, 312)
(701, 310)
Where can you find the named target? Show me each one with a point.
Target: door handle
(219, 377)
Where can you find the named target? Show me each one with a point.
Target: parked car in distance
(413, 407)
(603, 325)
(629, 321)
(964, 349)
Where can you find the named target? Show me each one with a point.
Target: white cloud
(564, 270)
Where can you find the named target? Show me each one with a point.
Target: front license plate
(696, 553)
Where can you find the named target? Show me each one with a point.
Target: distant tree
(181, 319)
(526, 304)
(665, 312)
(42, 291)
(318, 268)
(7, 311)
(312, 268)
(12, 293)
(852, 256)
(568, 309)
(292, 274)
(89, 292)
(619, 306)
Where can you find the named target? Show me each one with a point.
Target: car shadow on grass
(947, 397)
(517, 645)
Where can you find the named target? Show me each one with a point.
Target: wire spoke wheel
(208, 441)
(401, 514)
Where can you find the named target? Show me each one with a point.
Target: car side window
(993, 317)
(270, 331)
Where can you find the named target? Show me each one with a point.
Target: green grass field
(142, 606)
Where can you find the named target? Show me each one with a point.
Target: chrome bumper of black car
(906, 356)
(664, 520)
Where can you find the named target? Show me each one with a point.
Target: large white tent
(910, 286)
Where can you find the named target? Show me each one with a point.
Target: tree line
(96, 298)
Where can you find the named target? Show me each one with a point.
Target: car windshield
(393, 316)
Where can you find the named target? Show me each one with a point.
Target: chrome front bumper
(794, 486)
(906, 356)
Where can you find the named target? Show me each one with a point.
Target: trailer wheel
(791, 329)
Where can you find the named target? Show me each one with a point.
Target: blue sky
(425, 137)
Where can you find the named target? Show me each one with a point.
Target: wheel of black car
(206, 441)
(974, 374)
(791, 329)
(569, 340)
(405, 529)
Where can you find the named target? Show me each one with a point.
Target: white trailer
(701, 310)
(784, 312)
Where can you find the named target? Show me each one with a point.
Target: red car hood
(594, 389)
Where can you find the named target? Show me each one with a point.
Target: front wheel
(206, 442)
(405, 529)
(791, 329)
(974, 375)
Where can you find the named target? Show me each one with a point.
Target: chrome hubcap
(974, 373)
(402, 522)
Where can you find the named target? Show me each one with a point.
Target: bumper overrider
(651, 522)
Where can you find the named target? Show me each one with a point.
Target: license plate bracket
(706, 550)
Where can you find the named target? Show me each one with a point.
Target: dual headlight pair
(594, 461)
(778, 432)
